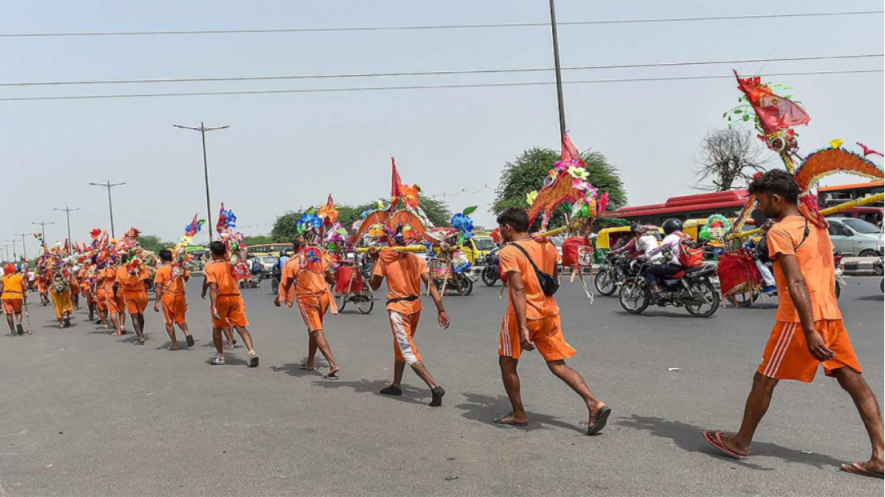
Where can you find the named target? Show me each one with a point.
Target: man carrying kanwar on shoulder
(532, 320)
(310, 272)
(13, 293)
(130, 281)
(404, 273)
(808, 330)
(60, 291)
(169, 285)
(228, 308)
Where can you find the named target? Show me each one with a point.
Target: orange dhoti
(101, 299)
(136, 302)
(12, 306)
(174, 308)
(62, 303)
(232, 311)
(313, 308)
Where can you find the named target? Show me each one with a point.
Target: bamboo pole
(827, 212)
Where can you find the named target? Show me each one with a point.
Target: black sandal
(597, 422)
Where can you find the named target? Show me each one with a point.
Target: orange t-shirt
(219, 272)
(512, 260)
(309, 276)
(170, 285)
(108, 276)
(403, 272)
(816, 263)
(13, 287)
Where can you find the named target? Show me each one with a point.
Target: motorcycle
(691, 288)
(491, 274)
(251, 282)
(610, 276)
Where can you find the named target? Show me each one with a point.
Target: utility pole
(14, 249)
(559, 95)
(42, 225)
(203, 129)
(67, 210)
(24, 247)
(109, 185)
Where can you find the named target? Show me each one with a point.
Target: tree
(284, 228)
(153, 243)
(729, 158)
(526, 174)
(257, 240)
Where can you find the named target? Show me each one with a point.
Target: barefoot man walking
(532, 320)
(808, 330)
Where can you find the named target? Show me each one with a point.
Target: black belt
(403, 299)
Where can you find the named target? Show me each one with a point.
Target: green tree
(526, 174)
(257, 240)
(153, 243)
(284, 227)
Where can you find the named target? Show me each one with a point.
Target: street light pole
(14, 249)
(203, 129)
(24, 247)
(42, 225)
(559, 95)
(67, 210)
(110, 185)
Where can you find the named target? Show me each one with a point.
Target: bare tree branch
(729, 158)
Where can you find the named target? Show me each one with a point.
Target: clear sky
(291, 150)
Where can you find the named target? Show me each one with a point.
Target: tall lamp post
(24, 247)
(203, 129)
(14, 249)
(109, 185)
(42, 225)
(560, 98)
(67, 210)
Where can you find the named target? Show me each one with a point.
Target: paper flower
(531, 196)
(410, 195)
(562, 165)
(329, 214)
(578, 172)
(836, 143)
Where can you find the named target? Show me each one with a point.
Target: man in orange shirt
(808, 330)
(532, 320)
(404, 273)
(43, 287)
(228, 331)
(13, 293)
(131, 283)
(228, 308)
(119, 295)
(112, 305)
(310, 271)
(169, 289)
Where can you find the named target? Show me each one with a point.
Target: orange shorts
(404, 327)
(174, 308)
(136, 302)
(787, 357)
(232, 310)
(113, 305)
(313, 308)
(101, 300)
(545, 333)
(12, 306)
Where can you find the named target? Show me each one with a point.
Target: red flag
(774, 112)
(192, 228)
(396, 185)
(570, 151)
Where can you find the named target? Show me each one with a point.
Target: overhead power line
(417, 87)
(426, 73)
(434, 27)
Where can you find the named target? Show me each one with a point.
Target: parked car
(268, 262)
(853, 236)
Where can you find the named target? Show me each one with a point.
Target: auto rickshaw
(609, 237)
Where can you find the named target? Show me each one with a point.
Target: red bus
(830, 196)
(700, 206)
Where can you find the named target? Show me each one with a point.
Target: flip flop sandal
(304, 367)
(331, 375)
(508, 420)
(714, 438)
(21, 330)
(190, 340)
(253, 361)
(856, 468)
(217, 361)
(597, 422)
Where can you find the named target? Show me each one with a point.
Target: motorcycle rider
(673, 229)
(640, 245)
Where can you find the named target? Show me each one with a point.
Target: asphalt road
(84, 413)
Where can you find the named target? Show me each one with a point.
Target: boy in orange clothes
(43, 288)
(119, 295)
(532, 320)
(108, 282)
(169, 289)
(74, 283)
(227, 308)
(86, 290)
(404, 273)
(13, 293)
(808, 330)
(131, 283)
(310, 271)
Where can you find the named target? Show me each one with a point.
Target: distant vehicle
(853, 236)
(477, 249)
(271, 249)
(268, 262)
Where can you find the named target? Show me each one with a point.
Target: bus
(700, 206)
(831, 196)
(268, 249)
